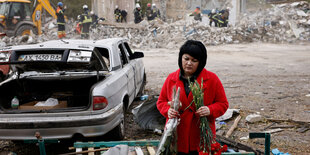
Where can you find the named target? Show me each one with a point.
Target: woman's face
(189, 65)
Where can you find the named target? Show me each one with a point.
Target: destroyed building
(171, 10)
(276, 23)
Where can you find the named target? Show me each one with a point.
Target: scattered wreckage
(84, 88)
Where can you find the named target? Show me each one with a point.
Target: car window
(128, 49)
(15, 10)
(27, 11)
(105, 56)
(123, 54)
(3, 8)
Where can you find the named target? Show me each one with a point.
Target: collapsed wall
(285, 23)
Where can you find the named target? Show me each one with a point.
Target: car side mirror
(137, 55)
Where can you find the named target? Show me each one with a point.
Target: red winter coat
(188, 129)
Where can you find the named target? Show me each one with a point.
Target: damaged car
(68, 88)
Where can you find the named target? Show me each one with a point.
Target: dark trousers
(61, 27)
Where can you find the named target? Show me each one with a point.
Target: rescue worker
(211, 15)
(156, 12)
(94, 19)
(219, 20)
(138, 14)
(149, 12)
(85, 22)
(124, 16)
(225, 17)
(197, 14)
(60, 20)
(117, 14)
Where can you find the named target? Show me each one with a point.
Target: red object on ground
(78, 28)
(216, 149)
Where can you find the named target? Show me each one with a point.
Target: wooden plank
(233, 127)
(151, 150)
(81, 152)
(282, 126)
(91, 149)
(289, 120)
(114, 143)
(273, 130)
(78, 150)
(267, 127)
(139, 151)
(303, 129)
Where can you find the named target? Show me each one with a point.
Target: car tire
(118, 133)
(25, 30)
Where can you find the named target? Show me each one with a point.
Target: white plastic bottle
(15, 103)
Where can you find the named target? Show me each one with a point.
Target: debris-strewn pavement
(284, 23)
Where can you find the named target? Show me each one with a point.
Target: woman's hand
(203, 111)
(173, 113)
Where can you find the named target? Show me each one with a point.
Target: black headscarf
(195, 49)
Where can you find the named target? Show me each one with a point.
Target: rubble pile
(282, 23)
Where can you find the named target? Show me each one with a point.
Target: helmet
(59, 4)
(85, 6)
(116, 6)
(137, 5)
(198, 7)
(148, 4)
(228, 8)
(154, 5)
(213, 11)
(78, 17)
(91, 12)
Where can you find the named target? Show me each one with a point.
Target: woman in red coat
(192, 60)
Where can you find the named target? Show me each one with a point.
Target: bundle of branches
(206, 135)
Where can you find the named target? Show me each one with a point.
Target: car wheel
(142, 88)
(118, 133)
(25, 30)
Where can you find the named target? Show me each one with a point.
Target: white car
(69, 88)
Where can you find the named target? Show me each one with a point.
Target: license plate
(40, 57)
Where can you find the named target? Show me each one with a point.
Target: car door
(137, 66)
(129, 71)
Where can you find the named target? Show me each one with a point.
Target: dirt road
(270, 79)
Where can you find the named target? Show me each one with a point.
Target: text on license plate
(40, 57)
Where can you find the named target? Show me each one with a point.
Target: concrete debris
(244, 138)
(283, 23)
(253, 118)
(228, 114)
(274, 130)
